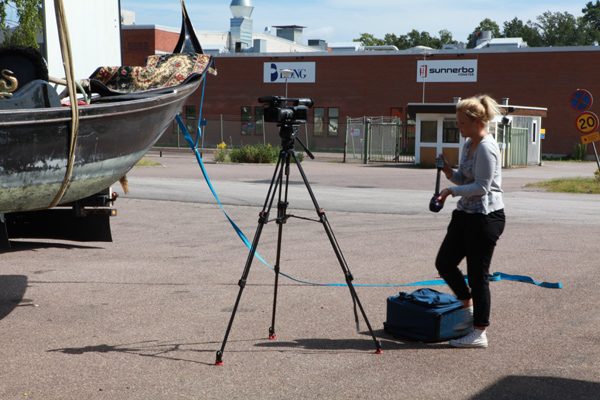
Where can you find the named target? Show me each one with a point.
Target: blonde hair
(481, 107)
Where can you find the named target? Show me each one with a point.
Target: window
(319, 120)
(259, 123)
(191, 124)
(190, 112)
(246, 120)
(450, 133)
(191, 127)
(429, 131)
(333, 114)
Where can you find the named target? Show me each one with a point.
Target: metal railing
(381, 139)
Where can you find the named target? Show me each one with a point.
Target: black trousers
(473, 236)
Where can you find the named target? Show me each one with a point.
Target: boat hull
(112, 138)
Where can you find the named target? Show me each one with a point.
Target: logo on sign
(274, 73)
(297, 73)
(302, 72)
(447, 71)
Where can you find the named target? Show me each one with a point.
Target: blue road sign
(581, 100)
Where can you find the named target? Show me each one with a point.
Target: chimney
(241, 24)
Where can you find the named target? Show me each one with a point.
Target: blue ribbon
(496, 276)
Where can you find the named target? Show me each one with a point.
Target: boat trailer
(85, 220)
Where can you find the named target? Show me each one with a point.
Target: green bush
(300, 156)
(258, 154)
(597, 175)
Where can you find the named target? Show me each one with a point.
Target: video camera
(275, 111)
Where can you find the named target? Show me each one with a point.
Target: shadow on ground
(540, 387)
(12, 289)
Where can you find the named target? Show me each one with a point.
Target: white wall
(94, 29)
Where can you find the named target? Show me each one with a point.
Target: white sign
(355, 132)
(302, 72)
(447, 71)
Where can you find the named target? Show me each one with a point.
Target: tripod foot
(219, 360)
(272, 336)
(379, 351)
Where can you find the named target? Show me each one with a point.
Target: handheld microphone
(436, 206)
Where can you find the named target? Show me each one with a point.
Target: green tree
(446, 37)
(26, 24)
(529, 32)
(411, 39)
(416, 38)
(563, 29)
(591, 14)
(485, 25)
(400, 42)
(367, 39)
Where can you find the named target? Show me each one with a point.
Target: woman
(478, 220)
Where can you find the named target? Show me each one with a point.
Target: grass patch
(571, 185)
(146, 162)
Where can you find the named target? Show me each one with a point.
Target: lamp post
(286, 74)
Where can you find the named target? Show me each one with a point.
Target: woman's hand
(442, 196)
(446, 168)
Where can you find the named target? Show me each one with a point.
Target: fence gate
(379, 139)
(518, 140)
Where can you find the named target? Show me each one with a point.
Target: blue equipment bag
(425, 315)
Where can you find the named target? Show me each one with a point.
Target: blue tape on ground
(496, 276)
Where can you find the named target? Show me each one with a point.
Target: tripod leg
(338, 252)
(281, 219)
(262, 220)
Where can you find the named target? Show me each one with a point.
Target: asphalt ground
(142, 317)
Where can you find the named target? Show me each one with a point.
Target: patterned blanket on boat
(159, 72)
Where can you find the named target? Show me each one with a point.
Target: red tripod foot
(219, 358)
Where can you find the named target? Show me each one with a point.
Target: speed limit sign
(587, 122)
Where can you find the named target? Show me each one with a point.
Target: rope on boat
(65, 45)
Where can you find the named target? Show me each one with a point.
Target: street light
(286, 74)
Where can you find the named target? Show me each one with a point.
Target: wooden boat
(130, 108)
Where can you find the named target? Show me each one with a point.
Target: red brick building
(374, 83)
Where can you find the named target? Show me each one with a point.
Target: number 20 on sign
(587, 122)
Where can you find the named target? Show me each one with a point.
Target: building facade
(354, 84)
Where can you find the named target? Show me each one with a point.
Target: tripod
(288, 133)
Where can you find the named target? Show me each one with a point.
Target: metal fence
(379, 139)
(234, 132)
(388, 139)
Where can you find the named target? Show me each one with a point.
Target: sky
(344, 20)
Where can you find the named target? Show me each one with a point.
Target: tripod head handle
(310, 154)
